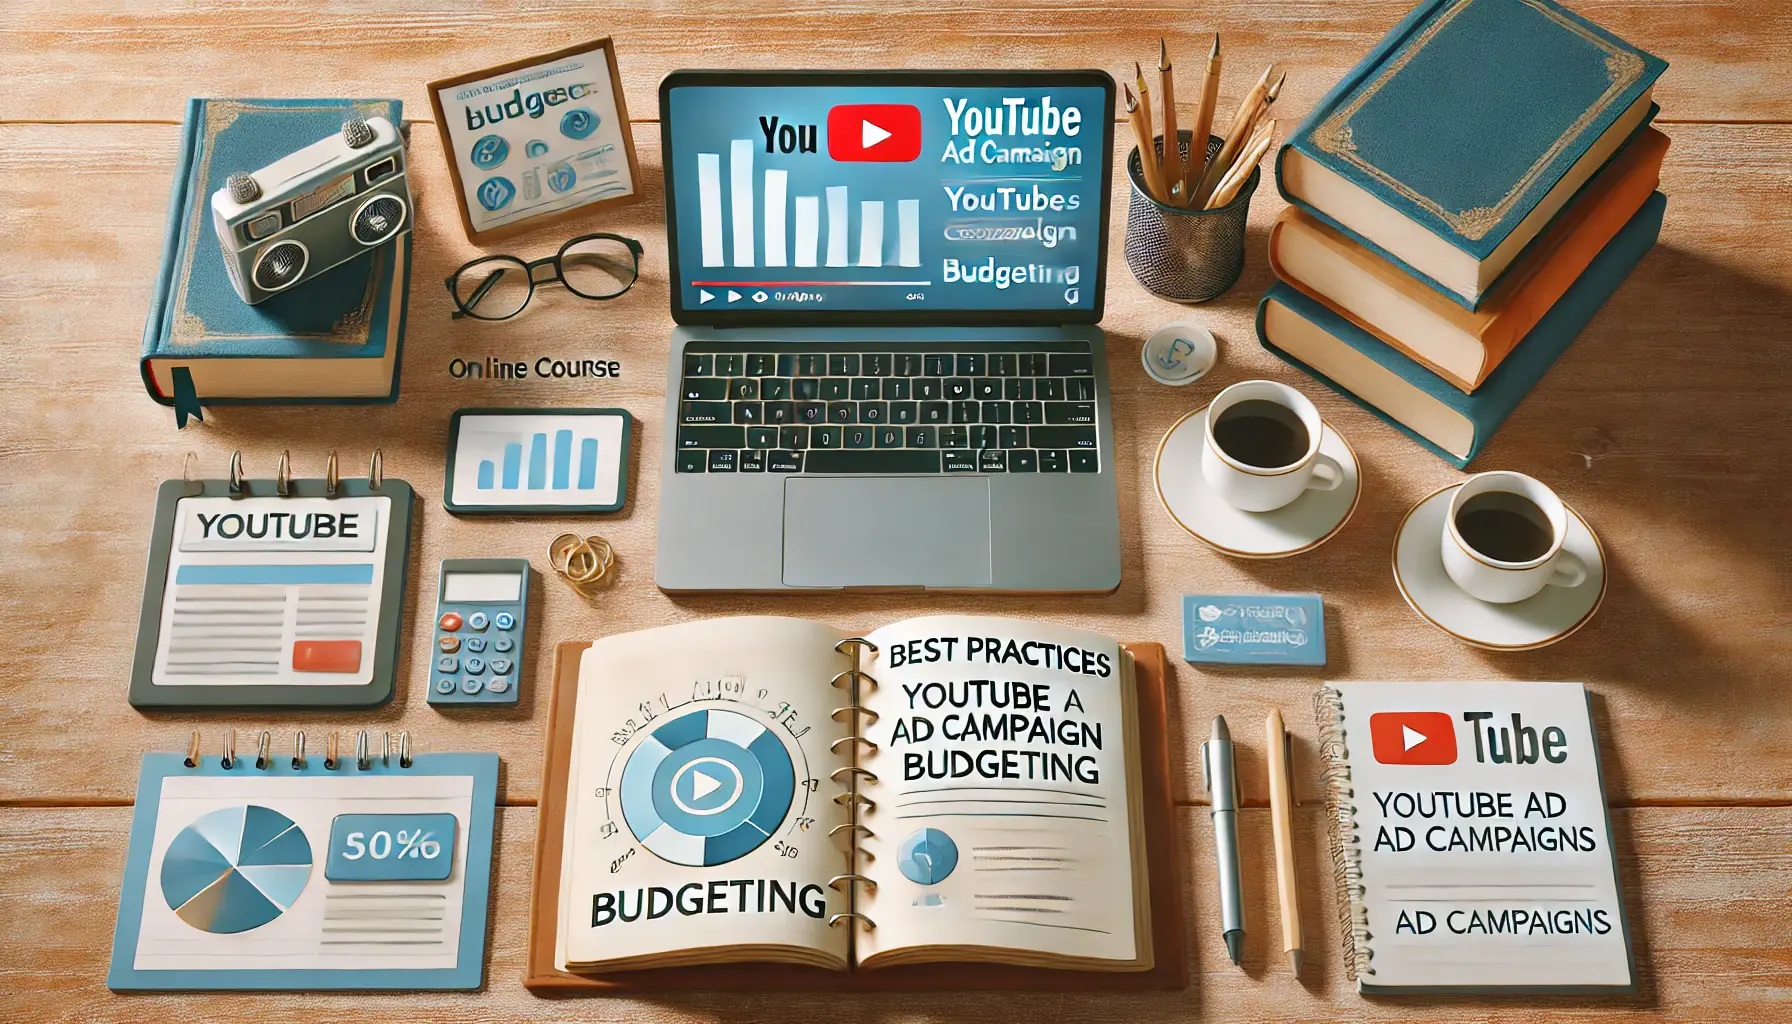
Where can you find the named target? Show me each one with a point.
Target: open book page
(701, 798)
(1007, 806)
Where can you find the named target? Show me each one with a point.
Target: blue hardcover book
(1452, 145)
(334, 338)
(1387, 382)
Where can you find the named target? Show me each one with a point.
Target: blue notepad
(1253, 629)
(230, 352)
(1395, 387)
(369, 875)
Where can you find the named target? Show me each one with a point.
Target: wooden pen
(1141, 128)
(1197, 150)
(1281, 806)
(1166, 95)
(1243, 166)
(1238, 133)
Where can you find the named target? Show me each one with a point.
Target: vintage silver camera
(307, 212)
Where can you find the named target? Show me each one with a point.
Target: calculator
(482, 609)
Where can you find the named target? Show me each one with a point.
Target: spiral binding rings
(236, 472)
(332, 476)
(1340, 821)
(376, 469)
(854, 680)
(265, 759)
(186, 474)
(870, 719)
(283, 475)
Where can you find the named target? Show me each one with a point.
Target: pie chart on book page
(236, 869)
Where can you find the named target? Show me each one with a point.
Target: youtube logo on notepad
(881, 132)
(1413, 737)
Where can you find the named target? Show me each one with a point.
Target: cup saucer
(1538, 621)
(1307, 522)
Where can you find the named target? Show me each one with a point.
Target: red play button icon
(883, 132)
(1413, 737)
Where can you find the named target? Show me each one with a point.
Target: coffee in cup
(1262, 447)
(1503, 539)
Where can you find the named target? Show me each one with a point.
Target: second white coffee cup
(1503, 539)
(1262, 447)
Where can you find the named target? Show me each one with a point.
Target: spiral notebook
(1471, 839)
(291, 869)
(948, 802)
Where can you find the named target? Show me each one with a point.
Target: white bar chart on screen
(774, 217)
(837, 227)
(871, 233)
(709, 206)
(808, 229)
(908, 232)
(740, 178)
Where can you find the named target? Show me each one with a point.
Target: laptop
(886, 372)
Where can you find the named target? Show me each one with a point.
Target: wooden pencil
(1197, 153)
(1166, 95)
(1141, 129)
(1241, 170)
(1237, 134)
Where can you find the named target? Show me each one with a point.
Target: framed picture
(520, 461)
(537, 139)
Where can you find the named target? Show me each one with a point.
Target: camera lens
(377, 220)
(280, 265)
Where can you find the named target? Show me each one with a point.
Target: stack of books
(1462, 203)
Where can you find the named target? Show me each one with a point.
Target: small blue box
(1253, 629)
(390, 848)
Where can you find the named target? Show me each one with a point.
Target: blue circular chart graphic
(489, 152)
(927, 857)
(236, 869)
(561, 177)
(707, 787)
(495, 193)
(535, 148)
(578, 123)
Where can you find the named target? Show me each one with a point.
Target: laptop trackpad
(886, 532)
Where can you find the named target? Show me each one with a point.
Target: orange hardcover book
(1461, 346)
(625, 903)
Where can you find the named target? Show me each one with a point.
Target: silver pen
(1219, 771)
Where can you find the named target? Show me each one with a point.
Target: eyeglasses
(600, 266)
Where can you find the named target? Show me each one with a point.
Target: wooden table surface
(1680, 390)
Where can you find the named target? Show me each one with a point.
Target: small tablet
(519, 461)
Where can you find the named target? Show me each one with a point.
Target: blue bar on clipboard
(562, 459)
(282, 575)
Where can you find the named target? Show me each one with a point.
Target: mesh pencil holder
(1184, 254)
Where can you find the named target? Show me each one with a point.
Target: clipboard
(273, 593)
(300, 873)
(1169, 949)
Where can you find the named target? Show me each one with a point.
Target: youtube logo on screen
(1413, 737)
(875, 132)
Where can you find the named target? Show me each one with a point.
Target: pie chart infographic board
(707, 787)
(235, 869)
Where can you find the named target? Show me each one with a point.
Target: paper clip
(583, 562)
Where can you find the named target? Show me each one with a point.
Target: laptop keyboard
(818, 407)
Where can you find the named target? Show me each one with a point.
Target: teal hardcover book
(334, 338)
(1465, 131)
(1382, 379)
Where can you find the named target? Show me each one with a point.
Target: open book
(947, 788)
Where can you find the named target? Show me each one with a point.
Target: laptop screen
(908, 197)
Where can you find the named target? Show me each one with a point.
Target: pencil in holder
(1181, 253)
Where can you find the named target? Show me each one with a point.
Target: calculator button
(478, 620)
(471, 685)
(500, 665)
(450, 644)
(445, 684)
(504, 620)
(447, 663)
(475, 644)
(475, 664)
(503, 645)
(498, 685)
(450, 622)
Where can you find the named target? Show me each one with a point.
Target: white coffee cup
(1503, 567)
(1257, 488)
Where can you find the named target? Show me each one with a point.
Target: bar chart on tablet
(546, 458)
(767, 226)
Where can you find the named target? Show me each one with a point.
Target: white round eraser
(1179, 353)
